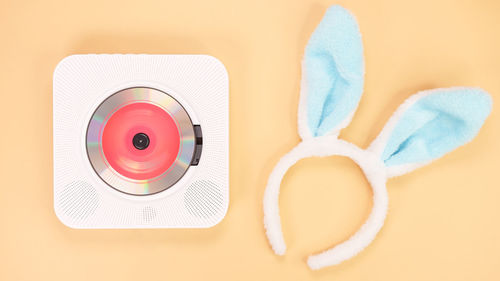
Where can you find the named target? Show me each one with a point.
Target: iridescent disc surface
(140, 141)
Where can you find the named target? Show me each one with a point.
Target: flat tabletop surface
(443, 221)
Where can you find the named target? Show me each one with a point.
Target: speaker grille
(148, 214)
(79, 200)
(203, 199)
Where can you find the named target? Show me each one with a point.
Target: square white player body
(82, 199)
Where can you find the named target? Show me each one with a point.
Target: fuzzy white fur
(320, 147)
(370, 160)
(304, 131)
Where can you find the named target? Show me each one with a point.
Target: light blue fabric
(437, 124)
(334, 69)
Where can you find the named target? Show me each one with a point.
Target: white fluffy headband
(424, 128)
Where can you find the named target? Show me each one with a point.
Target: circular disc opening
(140, 141)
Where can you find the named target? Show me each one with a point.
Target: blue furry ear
(430, 124)
(332, 75)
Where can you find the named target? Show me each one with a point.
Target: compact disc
(140, 141)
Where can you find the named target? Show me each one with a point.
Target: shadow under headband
(424, 128)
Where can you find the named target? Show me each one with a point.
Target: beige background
(443, 222)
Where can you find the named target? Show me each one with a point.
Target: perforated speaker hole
(203, 199)
(79, 200)
(148, 214)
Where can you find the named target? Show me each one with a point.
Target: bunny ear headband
(424, 128)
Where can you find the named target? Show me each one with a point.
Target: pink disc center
(118, 147)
